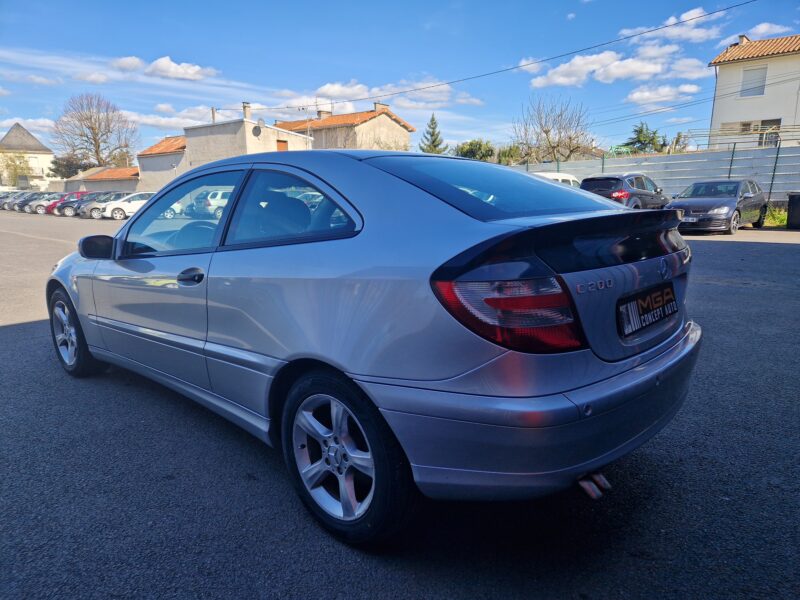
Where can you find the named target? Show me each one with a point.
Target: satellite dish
(256, 130)
(261, 123)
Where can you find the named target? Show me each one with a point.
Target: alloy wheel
(333, 457)
(118, 214)
(96, 213)
(65, 335)
(40, 210)
(69, 212)
(735, 223)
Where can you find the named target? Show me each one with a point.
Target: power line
(519, 66)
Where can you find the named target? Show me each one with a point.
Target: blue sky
(167, 63)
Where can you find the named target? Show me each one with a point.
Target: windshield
(486, 191)
(711, 189)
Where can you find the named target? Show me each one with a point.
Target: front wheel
(40, 210)
(96, 213)
(344, 461)
(169, 213)
(69, 212)
(733, 227)
(762, 216)
(27, 208)
(118, 214)
(218, 213)
(65, 328)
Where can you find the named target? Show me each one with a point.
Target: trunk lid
(609, 260)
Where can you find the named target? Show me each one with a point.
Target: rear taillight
(527, 315)
(620, 195)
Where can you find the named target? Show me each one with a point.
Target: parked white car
(125, 207)
(564, 178)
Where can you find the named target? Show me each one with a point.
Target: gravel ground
(117, 487)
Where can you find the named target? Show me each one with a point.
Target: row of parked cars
(713, 205)
(94, 205)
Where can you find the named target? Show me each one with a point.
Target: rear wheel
(118, 214)
(69, 212)
(71, 348)
(344, 461)
(169, 213)
(762, 216)
(733, 227)
(96, 213)
(218, 213)
(40, 210)
(28, 209)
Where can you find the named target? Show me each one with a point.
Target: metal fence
(776, 169)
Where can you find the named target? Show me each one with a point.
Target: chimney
(246, 110)
(743, 39)
(379, 106)
(324, 114)
(213, 115)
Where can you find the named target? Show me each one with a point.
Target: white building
(20, 143)
(757, 93)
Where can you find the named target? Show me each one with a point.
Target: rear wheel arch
(283, 381)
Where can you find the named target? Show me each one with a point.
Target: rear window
(485, 191)
(601, 184)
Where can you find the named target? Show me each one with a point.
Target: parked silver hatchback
(397, 323)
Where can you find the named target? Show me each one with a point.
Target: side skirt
(248, 420)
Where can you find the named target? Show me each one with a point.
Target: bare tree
(93, 128)
(551, 130)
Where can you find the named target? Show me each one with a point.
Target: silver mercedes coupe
(397, 323)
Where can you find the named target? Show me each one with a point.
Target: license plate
(689, 219)
(645, 308)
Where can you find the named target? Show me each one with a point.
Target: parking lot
(115, 486)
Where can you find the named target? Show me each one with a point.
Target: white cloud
(337, 90)
(570, 16)
(680, 120)
(663, 93)
(38, 125)
(767, 29)
(39, 80)
(531, 66)
(629, 68)
(165, 108)
(688, 32)
(194, 115)
(689, 68)
(4, 91)
(758, 31)
(127, 63)
(167, 68)
(576, 71)
(656, 51)
(93, 77)
(465, 98)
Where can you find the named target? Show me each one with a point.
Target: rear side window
(485, 191)
(601, 184)
(278, 208)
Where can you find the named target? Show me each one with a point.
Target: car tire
(69, 212)
(68, 340)
(118, 214)
(40, 210)
(762, 216)
(27, 208)
(368, 510)
(169, 213)
(733, 226)
(218, 213)
(96, 213)
(635, 205)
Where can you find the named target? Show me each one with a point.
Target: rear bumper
(527, 447)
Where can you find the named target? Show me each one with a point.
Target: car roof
(720, 181)
(618, 175)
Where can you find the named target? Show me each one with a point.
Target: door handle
(191, 276)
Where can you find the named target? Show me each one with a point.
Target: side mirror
(96, 246)
(659, 190)
(748, 195)
(674, 196)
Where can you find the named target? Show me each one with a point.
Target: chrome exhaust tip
(594, 485)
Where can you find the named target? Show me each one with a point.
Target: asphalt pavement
(117, 487)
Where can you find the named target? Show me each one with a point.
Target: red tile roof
(751, 49)
(343, 120)
(113, 173)
(169, 145)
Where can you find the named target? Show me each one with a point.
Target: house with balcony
(756, 94)
(20, 144)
